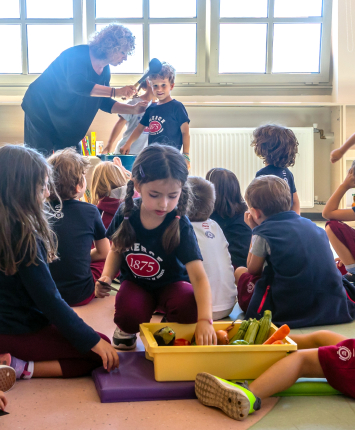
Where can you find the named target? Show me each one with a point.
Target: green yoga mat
(306, 387)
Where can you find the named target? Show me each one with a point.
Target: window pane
(9, 9)
(119, 9)
(243, 8)
(296, 48)
(242, 48)
(299, 8)
(10, 52)
(175, 44)
(134, 63)
(172, 9)
(49, 9)
(45, 43)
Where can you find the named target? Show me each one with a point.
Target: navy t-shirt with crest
(164, 122)
(146, 263)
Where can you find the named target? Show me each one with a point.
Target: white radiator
(230, 148)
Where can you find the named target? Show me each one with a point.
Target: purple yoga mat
(134, 382)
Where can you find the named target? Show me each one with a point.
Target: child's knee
(239, 272)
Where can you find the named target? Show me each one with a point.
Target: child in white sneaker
(214, 247)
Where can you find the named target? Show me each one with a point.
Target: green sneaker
(234, 400)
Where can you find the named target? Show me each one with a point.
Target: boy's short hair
(270, 194)
(203, 197)
(69, 167)
(167, 71)
(276, 145)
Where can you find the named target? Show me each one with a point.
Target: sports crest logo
(344, 353)
(154, 127)
(250, 287)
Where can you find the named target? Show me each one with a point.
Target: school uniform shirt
(217, 264)
(77, 225)
(146, 263)
(238, 235)
(30, 301)
(283, 173)
(132, 122)
(164, 122)
(58, 102)
(301, 285)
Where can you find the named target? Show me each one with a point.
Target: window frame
(181, 78)
(25, 78)
(269, 78)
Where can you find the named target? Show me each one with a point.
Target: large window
(173, 31)
(209, 42)
(270, 41)
(33, 33)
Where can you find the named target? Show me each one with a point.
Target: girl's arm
(112, 267)
(114, 135)
(338, 153)
(205, 334)
(102, 248)
(185, 131)
(132, 138)
(296, 204)
(331, 210)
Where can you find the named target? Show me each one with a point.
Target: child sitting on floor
(300, 284)
(214, 247)
(228, 212)
(155, 248)
(77, 225)
(108, 189)
(323, 354)
(342, 236)
(277, 146)
(40, 335)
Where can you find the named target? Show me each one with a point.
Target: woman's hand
(336, 155)
(127, 92)
(205, 334)
(139, 107)
(108, 354)
(100, 290)
(249, 220)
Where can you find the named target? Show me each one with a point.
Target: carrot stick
(277, 342)
(279, 334)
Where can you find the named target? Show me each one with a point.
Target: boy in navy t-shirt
(277, 146)
(167, 119)
(300, 283)
(77, 226)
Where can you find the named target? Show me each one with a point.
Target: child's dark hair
(69, 168)
(203, 197)
(270, 194)
(23, 215)
(154, 163)
(229, 200)
(276, 145)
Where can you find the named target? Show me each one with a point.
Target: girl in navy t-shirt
(156, 250)
(40, 335)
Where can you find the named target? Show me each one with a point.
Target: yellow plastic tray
(183, 363)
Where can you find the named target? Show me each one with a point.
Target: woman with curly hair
(62, 102)
(277, 146)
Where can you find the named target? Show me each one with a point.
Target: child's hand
(349, 181)
(124, 150)
(188, 164)
(3, 401)
(335, 155)
(100, 290)
(109, 356)
(205, 334)
(248, 219)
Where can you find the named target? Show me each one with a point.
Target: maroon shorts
(245, 287)
(338, 364)
(344, 233)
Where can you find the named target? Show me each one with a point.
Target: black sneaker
(123, 340)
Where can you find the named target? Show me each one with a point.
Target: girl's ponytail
(125, 236)
(171, 236)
